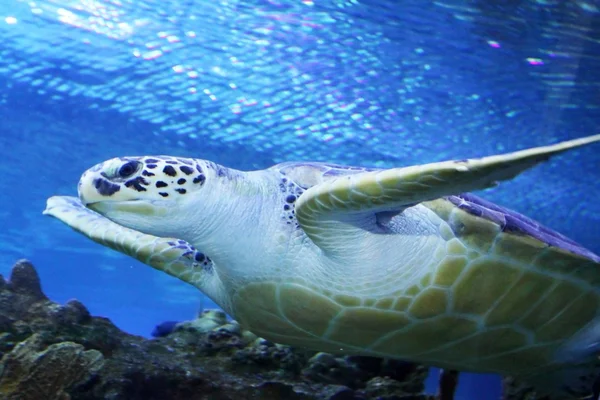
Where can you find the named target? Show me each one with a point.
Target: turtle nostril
(128, 169)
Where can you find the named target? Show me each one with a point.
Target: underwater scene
(300, 199)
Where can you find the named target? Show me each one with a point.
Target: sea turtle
(398, 263)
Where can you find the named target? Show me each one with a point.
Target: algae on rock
(32, 371)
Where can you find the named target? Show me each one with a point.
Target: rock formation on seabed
(50, 351)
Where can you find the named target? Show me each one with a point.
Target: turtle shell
(512, 222)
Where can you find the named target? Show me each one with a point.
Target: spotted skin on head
(125, 178)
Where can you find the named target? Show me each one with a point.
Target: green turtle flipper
(173, 256)
(351, 196)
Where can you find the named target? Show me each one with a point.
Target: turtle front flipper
(173, 256)
(328, 210)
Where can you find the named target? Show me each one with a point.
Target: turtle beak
(100, 194)
(93, 186)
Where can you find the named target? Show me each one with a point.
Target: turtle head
(149, 194)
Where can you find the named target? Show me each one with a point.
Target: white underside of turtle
(400, 263)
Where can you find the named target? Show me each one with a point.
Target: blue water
(251, 83)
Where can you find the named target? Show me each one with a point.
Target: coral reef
(33, 370)
(50, 351)
(513, 389)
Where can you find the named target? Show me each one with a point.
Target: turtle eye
(128, 169)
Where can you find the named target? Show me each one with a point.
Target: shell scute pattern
(476, 309)
(481, 284)
(346, 300)
(571, 319)
(385, 304)
(429, 303)
(402, 303)
(340, 330)
(528, 289)
(449, 270)
(446, 329)
(519, 293)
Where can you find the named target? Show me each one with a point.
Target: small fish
(164, 329)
